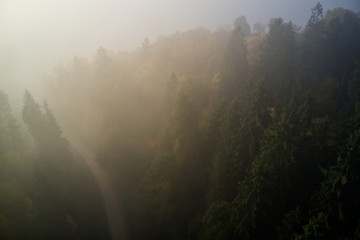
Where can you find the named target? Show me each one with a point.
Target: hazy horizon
(36, 35)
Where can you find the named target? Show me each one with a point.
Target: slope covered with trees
(222, 134)
(42, 184)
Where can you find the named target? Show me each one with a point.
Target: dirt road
(112, 205)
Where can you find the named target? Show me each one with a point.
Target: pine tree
(277, 63)
(9, 129)
(235, 71)
(52, 167)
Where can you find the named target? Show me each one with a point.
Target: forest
(235, 133)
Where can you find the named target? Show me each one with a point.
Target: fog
(167, 119)
(36, 35)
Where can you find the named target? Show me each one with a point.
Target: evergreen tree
(277, 63)
(243, 25)
(54, 158)
(9, 129)
(234, 75)
(317, 14)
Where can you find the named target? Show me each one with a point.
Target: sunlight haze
(179, 119)
(36, 35)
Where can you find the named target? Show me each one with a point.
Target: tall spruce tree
(54, 158)
(234, 75)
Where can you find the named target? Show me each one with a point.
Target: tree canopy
(225, 134)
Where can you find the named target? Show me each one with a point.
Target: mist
(179, 120)
(37, 35)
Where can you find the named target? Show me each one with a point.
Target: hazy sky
(37, 34)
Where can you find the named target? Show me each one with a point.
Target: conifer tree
(9, 129)
(54, 158)
(235, 71)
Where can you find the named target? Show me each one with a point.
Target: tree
(33, 116)
(277, 63)
(9, 129)
(243, 25)
(53, 158)
(103, 64)
(317, 15)
(16, 208)
(232, 153)
(329, 43)
(235, 71)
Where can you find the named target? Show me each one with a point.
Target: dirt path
(112, 206)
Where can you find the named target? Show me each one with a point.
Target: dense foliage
(206, 135)
(42, 185)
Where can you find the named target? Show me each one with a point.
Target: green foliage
(293, 132)
(222, 149)
(291, 225)
(218, 222)
(50, 207)
(157, 195)
(234, 75)
(232, 155)
(272, 167)
(32, 115)
(330, 43)
(45, 129)
(9, 130)
(278, 73)
(335, 209)
(16, 204)
(317, 14)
